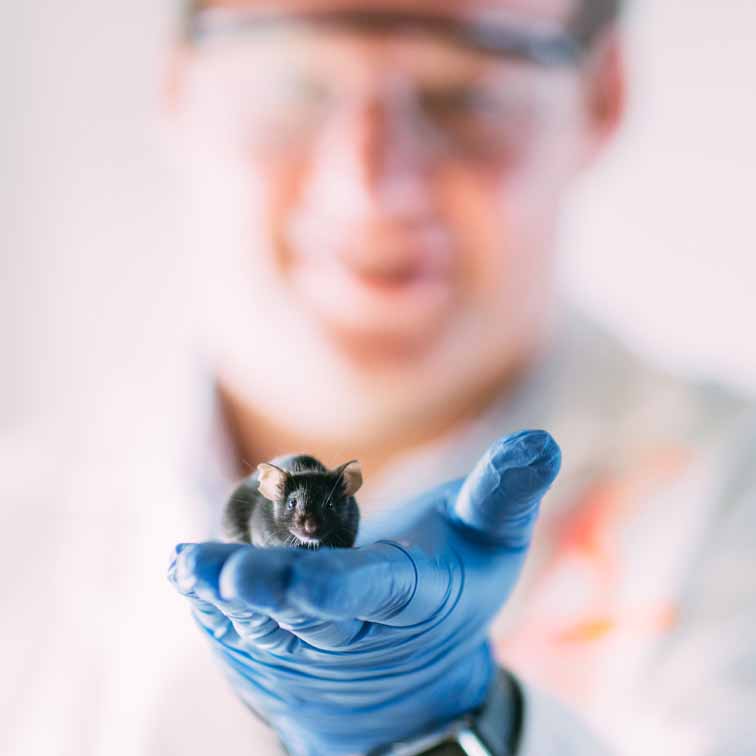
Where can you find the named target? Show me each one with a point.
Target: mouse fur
(295, 501)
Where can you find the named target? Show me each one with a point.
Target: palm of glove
(344, 650)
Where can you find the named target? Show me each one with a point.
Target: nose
(310, 526)
(373, 159)
(383, 140)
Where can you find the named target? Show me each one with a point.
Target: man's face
(387, 201)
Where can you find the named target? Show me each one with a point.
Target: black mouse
(296, 501)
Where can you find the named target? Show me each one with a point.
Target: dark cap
(589, 18)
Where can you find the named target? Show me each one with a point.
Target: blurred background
(660, 244)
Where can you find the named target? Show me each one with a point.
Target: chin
(377, 348)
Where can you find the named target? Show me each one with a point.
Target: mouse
(295, 501)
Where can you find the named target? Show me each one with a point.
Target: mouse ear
(351, 474)
(271, 481)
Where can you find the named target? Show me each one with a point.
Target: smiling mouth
(369, 274)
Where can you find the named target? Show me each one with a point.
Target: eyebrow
(547, 45)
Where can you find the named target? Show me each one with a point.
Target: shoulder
(663, 442)
(643, 402)
(702, 424)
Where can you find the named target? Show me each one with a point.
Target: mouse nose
(310, 526)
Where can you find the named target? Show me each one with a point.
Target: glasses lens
(282, 85)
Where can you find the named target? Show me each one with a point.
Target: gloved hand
(344, 650)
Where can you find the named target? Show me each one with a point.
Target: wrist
(491, 730)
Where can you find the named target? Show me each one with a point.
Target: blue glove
(344, 650)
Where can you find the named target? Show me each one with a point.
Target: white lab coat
(633, 628)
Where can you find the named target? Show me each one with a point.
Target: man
(380, 184)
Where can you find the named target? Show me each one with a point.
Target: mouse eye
(292, 502)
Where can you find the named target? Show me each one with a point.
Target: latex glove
(343, 650)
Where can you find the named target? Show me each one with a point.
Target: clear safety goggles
(470, 86)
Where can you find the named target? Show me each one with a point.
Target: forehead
(547, 10)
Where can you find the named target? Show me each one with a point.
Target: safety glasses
(458, 85)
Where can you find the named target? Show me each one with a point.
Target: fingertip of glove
(501, 497)
(197, 566)
(260, 580)
(172, 560)
(535, 450)
(522, 465)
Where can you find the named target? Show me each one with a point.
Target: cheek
(336, 519)
(278, 197)
(240, 202)
(283, 513)
(233, 262)
(505, 217)
(237, 221)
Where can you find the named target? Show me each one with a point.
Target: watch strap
(492, 730)
(499, 722)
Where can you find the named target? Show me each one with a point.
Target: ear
(272, 481)
(351, 474)
(604, 91)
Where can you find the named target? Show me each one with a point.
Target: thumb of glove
(500, 498)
